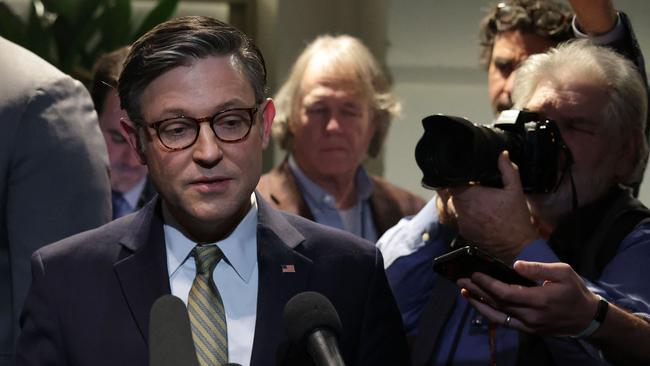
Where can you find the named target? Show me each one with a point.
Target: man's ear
(268, 114)
(628, 157)
(133, 137)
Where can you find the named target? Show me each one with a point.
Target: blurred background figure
(514, 30)
(130, 187)
(53, 172)
(334, 111)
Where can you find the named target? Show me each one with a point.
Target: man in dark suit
(53, 172)
(130, 187)
(208, 239)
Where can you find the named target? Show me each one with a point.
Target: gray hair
(627, 105)
(179, 42)
(350, 55)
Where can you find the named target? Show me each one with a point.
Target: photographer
(598, 101)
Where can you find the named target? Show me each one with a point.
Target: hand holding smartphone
(461, 263)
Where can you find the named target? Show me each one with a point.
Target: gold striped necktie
(207, 315)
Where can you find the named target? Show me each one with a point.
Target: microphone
(312, 320)
(170, 334)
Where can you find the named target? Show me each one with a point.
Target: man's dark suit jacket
(388, 202)
(148, 193)
(91, 293)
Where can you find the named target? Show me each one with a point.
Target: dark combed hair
(534, 19)
(179, 42)
(106, 71)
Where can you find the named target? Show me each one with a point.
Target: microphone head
(308, 311)
(170, 334)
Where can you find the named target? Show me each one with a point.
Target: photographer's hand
(497, 220)
(561, 306)
(446, 214)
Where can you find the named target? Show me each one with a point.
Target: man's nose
(333, 124)
(206, 150)
(510, 84)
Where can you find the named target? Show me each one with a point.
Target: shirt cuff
(538, 251)
(610, 37)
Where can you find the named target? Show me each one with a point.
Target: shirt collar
(239, 248)
(133, 195)
(310, 188)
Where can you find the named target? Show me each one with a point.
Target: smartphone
(469, 259)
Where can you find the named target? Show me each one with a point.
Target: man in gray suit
(53, 172)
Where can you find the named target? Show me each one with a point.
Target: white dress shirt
(236, 277)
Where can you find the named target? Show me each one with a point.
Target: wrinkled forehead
(568, 90)
(569, 99)
(519, 45)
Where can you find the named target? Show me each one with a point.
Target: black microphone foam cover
(308, 311)
(170, 334)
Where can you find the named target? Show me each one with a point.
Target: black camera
(454, 151)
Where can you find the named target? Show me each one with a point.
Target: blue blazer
(91, 293)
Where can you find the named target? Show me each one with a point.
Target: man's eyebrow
(179, 111)
(504, 61)
(503, 58)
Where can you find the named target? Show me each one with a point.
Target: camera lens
(454, 151)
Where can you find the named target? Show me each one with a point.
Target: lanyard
(492, 343)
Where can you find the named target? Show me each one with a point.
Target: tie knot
(206, 258)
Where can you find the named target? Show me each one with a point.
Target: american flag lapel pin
(288, 268)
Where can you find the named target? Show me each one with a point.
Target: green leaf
(75, 36)
(39, 39)
(11, 26)
(70, 9)
(115, 25)
(163, 11)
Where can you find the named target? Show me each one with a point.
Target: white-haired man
(598, 101)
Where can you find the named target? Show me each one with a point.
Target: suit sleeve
(58, 182)
(628, 46)
(383, 341)
(40, 342)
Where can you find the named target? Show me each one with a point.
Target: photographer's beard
(590, 185)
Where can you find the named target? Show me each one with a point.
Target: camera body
(454, 151)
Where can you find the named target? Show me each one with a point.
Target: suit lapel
(385, 213)
(284, 192)
(142, 271)
(283, 273)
